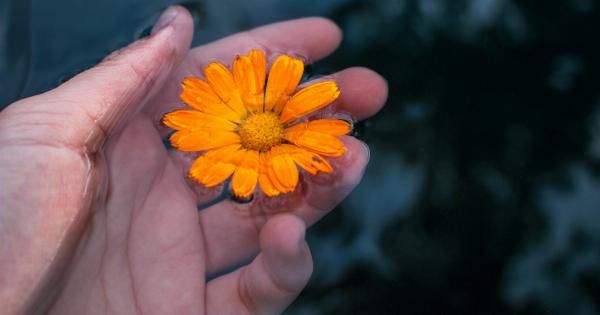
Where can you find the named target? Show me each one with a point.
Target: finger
(97, 100)
(324, 191)
(364, 92)
(272, 280)
(310, 38)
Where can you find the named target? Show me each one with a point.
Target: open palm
(97, 217)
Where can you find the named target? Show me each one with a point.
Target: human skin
(97, 217)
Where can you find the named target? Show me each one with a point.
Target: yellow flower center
(261, 131)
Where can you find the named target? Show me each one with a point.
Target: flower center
(261, 131)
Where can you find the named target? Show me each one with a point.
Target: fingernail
(367, 150)
(165, 19)
(300, 247)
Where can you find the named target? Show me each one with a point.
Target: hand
(96, 216)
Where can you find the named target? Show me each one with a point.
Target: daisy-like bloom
(245, 123)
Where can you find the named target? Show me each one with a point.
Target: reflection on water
(14, 49)
(567, 254)
(482, 193)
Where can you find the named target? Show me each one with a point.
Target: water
(485, 160)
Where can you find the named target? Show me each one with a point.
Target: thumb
(91, 106)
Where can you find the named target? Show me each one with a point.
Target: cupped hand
(97, 217)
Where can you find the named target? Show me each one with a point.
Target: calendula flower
(245, 121)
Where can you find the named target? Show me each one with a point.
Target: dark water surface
(482, 196)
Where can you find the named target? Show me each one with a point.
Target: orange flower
(245, 123)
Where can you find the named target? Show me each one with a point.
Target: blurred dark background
(482, 196)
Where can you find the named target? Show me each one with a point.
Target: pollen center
(261, 131)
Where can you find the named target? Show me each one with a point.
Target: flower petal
(221, 81)
(246, 174)
(281, 170)
(192, 140)
(199, 95)
(260, 66)
(263, 178)
(334, 127)
(197, 87)
(284, 77)
(309, 161)
(249, 76)
(215, 166)
(310, 99)
(317, 142)
(192, 119)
